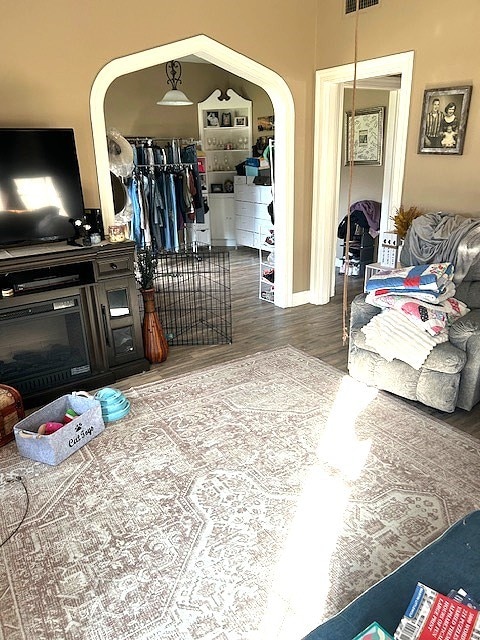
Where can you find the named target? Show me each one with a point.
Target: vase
(155, 344)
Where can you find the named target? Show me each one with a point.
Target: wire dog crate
(193, 297)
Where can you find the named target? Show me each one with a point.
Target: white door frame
(282, 100)
(329, 85)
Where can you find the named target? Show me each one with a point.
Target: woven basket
(11, 412)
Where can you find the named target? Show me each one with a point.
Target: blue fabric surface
(450, 562)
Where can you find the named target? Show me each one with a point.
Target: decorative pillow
(433, 318)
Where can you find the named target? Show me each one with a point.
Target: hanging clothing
(165, 191)
(372, 211)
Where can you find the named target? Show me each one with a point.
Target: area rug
(247, 501)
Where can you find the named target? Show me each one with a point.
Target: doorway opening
(282, 101)
(329, 93)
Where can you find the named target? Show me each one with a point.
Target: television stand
(73, 321)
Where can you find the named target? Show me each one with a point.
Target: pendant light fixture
(174, 97)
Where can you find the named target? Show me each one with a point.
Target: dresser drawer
(253, 193)
(245, 238)
(243, 208)
(245, 222)
(260, 211)
(117, 266)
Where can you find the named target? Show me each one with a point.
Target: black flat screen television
(40, 190)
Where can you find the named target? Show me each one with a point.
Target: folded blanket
(423, 277)
(432, 318)
(392, 336)
(433, 297)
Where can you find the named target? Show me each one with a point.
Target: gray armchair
(449, 377)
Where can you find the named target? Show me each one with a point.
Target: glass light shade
(174, 98)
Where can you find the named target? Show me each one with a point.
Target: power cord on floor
(18, 479)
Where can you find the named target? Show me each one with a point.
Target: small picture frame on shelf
(217, 188)
(226, 119)
(212, 119)
(240, 121)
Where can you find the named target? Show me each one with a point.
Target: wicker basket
(11, 412)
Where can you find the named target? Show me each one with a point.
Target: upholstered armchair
(449, 377)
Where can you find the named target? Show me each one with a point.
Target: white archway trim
(327, 157)
(282, 100)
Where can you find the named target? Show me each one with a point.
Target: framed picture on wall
(444, 120)
(366, 129)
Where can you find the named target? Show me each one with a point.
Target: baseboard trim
(302, 297)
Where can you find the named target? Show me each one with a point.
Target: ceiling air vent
(351, 5)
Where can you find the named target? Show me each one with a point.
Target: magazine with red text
(433, 616)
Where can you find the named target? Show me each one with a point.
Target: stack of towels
(418, 307)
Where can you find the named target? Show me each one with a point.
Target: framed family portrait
(444, 120)
(367, 147)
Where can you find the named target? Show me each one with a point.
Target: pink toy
(48, 428)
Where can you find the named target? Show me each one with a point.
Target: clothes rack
(165, 192)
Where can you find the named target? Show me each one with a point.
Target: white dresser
(252, 220)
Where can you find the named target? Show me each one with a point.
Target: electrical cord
(20, 479)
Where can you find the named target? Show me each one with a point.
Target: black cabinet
(69, 318)
(122, 332)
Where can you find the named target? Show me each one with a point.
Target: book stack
(433, 616)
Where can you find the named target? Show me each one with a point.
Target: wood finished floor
(259, 325)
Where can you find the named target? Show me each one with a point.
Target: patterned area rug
(247, 501)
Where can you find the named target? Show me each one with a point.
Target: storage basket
(54, 448)
(11, 412)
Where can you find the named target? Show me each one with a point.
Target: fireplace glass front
(43, 345)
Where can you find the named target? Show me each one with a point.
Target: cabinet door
(121, 320)
(222, 219)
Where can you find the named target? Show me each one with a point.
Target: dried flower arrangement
(404, 218)
(145, 267)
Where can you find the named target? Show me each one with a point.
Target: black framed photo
(444, 120)
(226, 119)
(367, 136)
(217, 188)
(212, 119)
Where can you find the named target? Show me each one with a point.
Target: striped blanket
(393, 335)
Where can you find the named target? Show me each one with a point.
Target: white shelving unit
(225, 131)
(267, 268)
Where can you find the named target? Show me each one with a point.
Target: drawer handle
(113, 265)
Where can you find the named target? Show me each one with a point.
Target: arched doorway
(282, 100)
